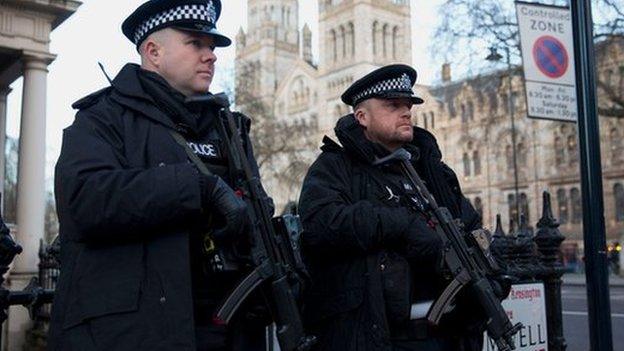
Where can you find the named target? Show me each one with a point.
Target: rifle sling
(191, 155)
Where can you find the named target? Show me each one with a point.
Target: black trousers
(431, 344)
(236, 338)
(473, 343)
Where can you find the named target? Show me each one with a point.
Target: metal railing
(534, 257)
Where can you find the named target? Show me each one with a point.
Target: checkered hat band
(402, 83)
(200, 12)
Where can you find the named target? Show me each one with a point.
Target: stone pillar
(4, 92)
(30, 189)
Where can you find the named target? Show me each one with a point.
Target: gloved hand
(218, 197)
(501, 284)
(423, 246)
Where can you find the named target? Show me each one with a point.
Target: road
(575, 324)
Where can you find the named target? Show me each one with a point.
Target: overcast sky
(93, 35)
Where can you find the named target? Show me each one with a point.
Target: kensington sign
(526, 303)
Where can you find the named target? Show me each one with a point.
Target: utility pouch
(397, 287)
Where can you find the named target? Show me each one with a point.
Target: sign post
(559, 61)
(598, 303)
(548, 60)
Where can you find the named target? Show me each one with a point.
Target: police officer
(137, 215)
(370, 254)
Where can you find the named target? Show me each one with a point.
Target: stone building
(25, 27)
(470, 117)
(274, 65)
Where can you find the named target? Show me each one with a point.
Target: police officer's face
(187, 61)
(386, 121)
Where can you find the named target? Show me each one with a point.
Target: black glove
(218, 197)
(501, 284)
(423, 246)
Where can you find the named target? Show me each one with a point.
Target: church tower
(268, 49)
(357, 36)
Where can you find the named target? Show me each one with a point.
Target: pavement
(578, 279)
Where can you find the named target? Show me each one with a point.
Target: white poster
(526, 304)
(548, 60)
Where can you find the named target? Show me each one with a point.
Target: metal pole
(513, 136)
(591, 179)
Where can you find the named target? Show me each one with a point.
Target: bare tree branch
(281, 146)
(478, 24)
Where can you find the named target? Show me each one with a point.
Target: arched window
(524, 207)
(351, 35)
(425, 124)
(451, 108)
(559, 152)
(478, 206)
(618, 194)
(493, 104)
(395, 41)
(288, 16)
(575, 199)
(375, 37)
(342, 42)
(385, 34)
(432, 121)
(515, 98)
(505, 101)
(616, 146)
(464, 113)
(334, 45)
(513, 214)
(608, 78)
(562, 204)
(573, 153)
(466, 165)
(521, 151)
(509, 157)
(477, 162)
(470, 110)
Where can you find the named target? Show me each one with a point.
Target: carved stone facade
(470, 117)
(274, 63)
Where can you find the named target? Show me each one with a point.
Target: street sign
(551, 56)
(548, 60)
(526, 304)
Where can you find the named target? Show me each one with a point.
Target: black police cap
(189, 15)
(388, 82)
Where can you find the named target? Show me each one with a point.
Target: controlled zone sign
(548, 60)
(526, 304)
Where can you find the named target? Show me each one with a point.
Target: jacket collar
(351, 135)
(127, 91)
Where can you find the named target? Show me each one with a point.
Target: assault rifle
(466, 256)
(277, 269)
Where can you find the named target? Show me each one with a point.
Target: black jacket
(126, 197)
(344, 207)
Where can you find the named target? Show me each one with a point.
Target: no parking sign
(548, 60)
